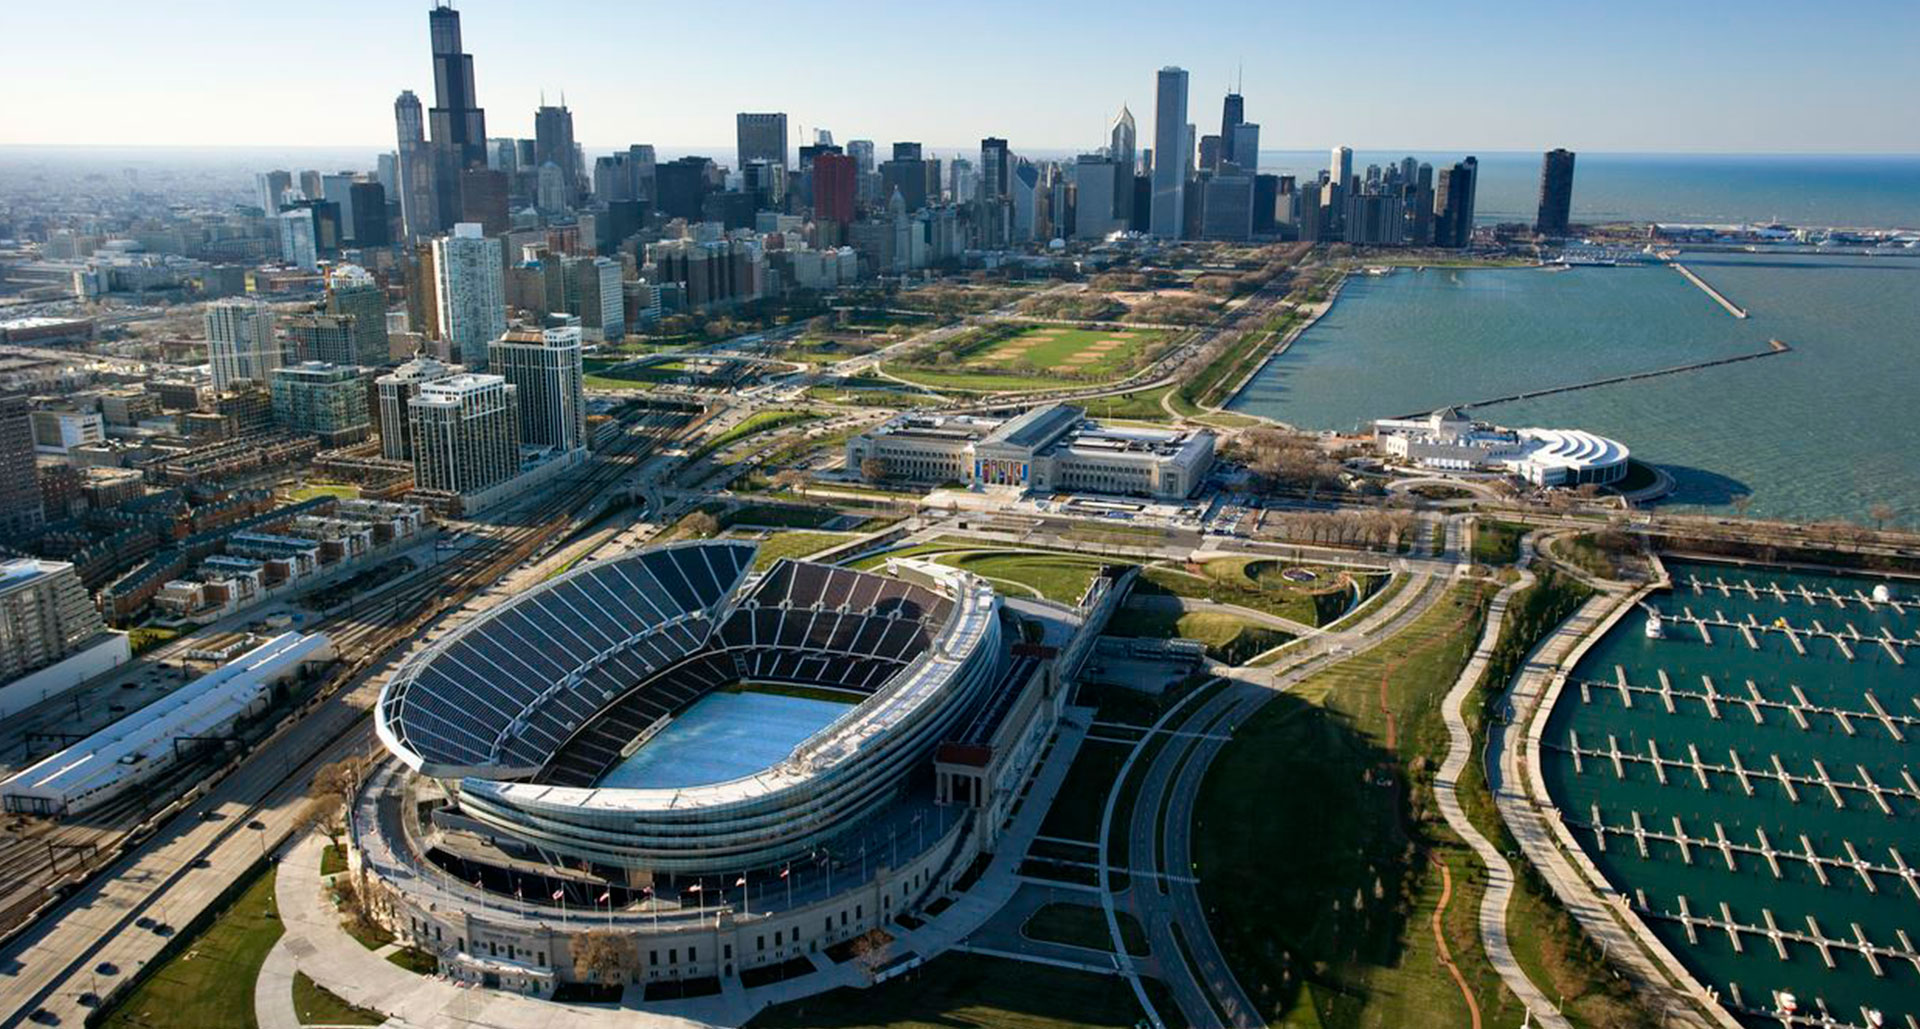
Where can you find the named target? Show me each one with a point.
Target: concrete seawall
(1720, 298)
(1774, 346)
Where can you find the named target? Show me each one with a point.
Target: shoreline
(1280, 349)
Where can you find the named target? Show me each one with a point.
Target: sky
(1761, 76)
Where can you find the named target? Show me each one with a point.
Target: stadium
(670, 743)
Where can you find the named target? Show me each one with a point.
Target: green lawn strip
(317, 1005)
(792, 544)
(146, 637)
(367, 934)
(333, 859)
(414, 960)
(1053, 576)
(1077, 807)
(1496, 542)
(753, 425)
(209, 980)
(1079, 925)
(959, 990)
(1139, 405)
(1344, 926)
(1230, 638)
(325, 489)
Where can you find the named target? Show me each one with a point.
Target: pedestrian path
(1500, 881)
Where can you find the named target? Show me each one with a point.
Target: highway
(54, 971)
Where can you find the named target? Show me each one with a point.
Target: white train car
(141, 745)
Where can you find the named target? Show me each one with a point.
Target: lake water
(1823, 432)
(1864, 191)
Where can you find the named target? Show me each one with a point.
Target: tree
(701, 525)
(329, 793)
(871, 950)
(873, 469)
(1881, 515)
(792, 479)
(601, 954)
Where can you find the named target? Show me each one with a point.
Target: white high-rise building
(395, 390)
(1170, 140)
(297, 245)
(466, 433)
(544, 368)
(45, 615)
(470, 293)
(240, 341)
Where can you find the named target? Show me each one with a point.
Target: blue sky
(1676, 75)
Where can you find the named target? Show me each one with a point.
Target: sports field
(1032, 357)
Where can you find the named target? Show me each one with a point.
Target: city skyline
(1601, 108)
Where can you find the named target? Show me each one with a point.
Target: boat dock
(1718, 297)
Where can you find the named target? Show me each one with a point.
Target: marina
(1735, 760)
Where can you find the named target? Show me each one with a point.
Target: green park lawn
(1083, 925)
(1341, 933)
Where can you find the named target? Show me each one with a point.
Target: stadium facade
(498, 838)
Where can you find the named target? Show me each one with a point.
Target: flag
(784, 871)
(742, 881)
(604, 897)
(646, 891)
(557, 894)
(695, 888)
(516, 893)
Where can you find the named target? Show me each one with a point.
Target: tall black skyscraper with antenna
(457, 123)
(1232, 112)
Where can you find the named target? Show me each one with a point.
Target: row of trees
(1379, 528)
(1286, 460)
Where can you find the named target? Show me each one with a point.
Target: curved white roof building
(1448, 441)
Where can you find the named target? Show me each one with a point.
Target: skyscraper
(1123, 142)
(352, 291)
(1243, 147)
(471, 293)
(760, 137)
(299, 245)
(553, 144)
(545, 370)
(1340, 166)
(1096, 207)
(1453, 204)
(417, 212)
(1232, 113)
(240, 341)
(320, 399)
(458, 126)
(835, 187)
(368, 222)
(21, 511)
(466, 433)
(1170, 139)
(272, 184)
(395, 390)
(1556, 193)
